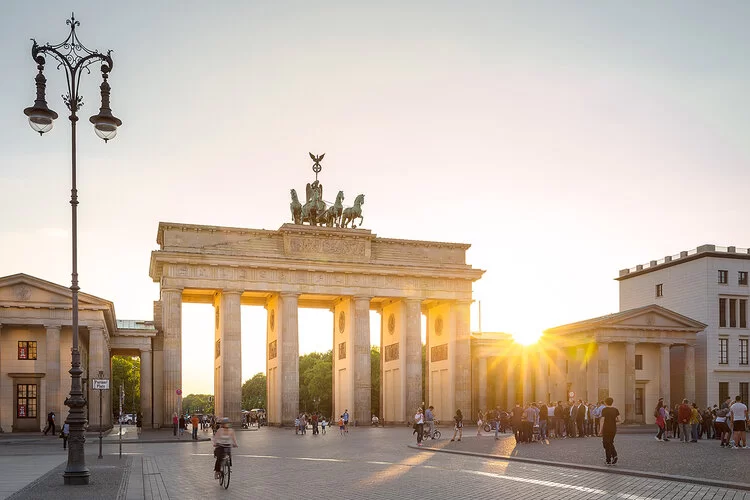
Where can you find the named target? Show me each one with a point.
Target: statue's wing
(320, 158)
(313, 157)
(308, 192)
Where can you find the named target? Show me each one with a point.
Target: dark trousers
(580, 427)
(65, 441)
(50, 427)
(527, 432)
(420, 431)
(220, 452)
(195, 432)
(174, 429)
(661, 433)
(518, 432)
(608, 441)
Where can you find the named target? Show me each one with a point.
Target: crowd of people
(688, 423)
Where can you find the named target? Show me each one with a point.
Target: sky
(563, 140)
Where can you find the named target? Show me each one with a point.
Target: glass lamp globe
(41, 119)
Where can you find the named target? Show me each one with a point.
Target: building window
(742, 278)
(723, 351)
(27, 349)
(26, 401)
(743, 392)
(723, 392)
(743, 351)
(660, 290)
(639, 361)
(743, 313)
(722, 312)
(733, 313)
(723, 277)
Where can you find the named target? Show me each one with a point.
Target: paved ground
(368, 463)
(641, 452)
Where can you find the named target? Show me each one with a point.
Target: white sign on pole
(100, 384)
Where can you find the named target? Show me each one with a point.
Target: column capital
(289, 295)
(171, 289)
(49, 327)
(362, 297)
(231, 291)
(145, 349)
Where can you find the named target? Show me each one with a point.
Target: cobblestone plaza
(378, 463)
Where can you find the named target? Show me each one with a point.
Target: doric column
(462, 359)
(361, 361)
(289, 345)
(690, 372)
(96, 364)
(482, 380)
(412, 339)
(146, 387)
(171, 299)
(1, 380)
(228, 359)
(526, 379)
(629, 382)
(542, 379)
(52, 378)
(579, 378)
(664, 374)
(561, 375)
(510, 383)
(603, 370)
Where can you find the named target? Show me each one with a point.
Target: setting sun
(527, 338)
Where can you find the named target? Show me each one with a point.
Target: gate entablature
(310, 260)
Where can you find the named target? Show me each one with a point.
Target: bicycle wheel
(227, 473)
(221, 477)
(487, 428)
(436, 435)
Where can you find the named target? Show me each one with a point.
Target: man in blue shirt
(429, 420)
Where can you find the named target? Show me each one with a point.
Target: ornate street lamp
(74, 58)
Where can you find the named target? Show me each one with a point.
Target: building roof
(615, 319)
(135, 324)
(700, 252)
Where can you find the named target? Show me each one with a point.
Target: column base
(76, 479)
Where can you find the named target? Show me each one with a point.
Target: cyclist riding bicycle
(224, 440)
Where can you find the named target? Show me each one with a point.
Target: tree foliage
(126, 372)
(375, 379)
(254, 392)
(316, 382)
(198, 403)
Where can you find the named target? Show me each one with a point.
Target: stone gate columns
(462, 359)
(361, 361)
(664, 374)
(171, 301)
(629, 382)
(482, 383)
(603, 370)
(52, 379)
(579, 376)
(542, 380)
(282, 358)
(146, 383)
(510, 384)
(228, 356)
(413, 353)
(97, 356)
(690, 372)
(561, 376)
(1, 381)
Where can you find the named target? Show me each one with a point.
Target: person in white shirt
(738, 411)
(419, 425)
(224, 440)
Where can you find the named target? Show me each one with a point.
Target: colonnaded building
(681, 332)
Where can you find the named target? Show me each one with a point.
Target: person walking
(480, 423)
(695, 420)
(459, 425)
(660, 415)
(738, 411)
(175, 423)
(419, 425)
(194, 424)
(346, 421)
(139, 423)
(610, 417)
(65, 434)
(50, 423)
(182, 425)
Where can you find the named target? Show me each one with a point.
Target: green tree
(254, 392)
(316, 382)
(375, 379)
(126, 372)
(198, 403)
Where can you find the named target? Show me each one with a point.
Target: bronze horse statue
(354, 212)
(296, 207)
(332, 216)
(314, 208)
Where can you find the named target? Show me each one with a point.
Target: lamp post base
(76, 478)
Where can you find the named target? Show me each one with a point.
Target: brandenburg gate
(321, 264)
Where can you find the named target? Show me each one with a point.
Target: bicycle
(435, 432)
(225, 468)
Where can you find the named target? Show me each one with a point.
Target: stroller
(536, 434)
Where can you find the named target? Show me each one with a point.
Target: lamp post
(73, 57)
